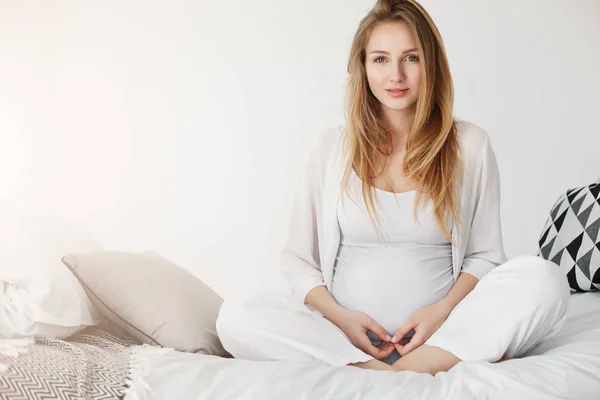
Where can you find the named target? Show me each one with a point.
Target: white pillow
(39, 296)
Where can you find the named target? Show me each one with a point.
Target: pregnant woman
(395, 258)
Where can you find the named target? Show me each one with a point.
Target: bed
(105, 362)
(564, 367)
(95, 364)
(102, 362)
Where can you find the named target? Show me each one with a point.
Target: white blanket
(565, 367)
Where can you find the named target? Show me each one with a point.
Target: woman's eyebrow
(387, 52)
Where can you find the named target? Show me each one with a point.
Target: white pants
(513, 308)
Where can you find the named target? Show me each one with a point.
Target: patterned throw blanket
(92, 364)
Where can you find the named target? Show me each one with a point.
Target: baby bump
(388, 290)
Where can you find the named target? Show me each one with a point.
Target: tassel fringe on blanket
(14, 348)
(137, 387)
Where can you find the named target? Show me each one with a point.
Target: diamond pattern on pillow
(571, 237)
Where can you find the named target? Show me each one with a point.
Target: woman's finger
(379, 331)
(379, 352)
(416, 341)
(403, 331)
(387, 348)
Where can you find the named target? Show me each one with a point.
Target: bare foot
(373, 364)
(426, 359)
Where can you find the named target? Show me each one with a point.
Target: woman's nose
(397, 73)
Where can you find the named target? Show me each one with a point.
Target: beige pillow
(151, 298)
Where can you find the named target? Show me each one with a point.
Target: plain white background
(181, 126)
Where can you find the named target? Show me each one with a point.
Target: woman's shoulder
(473, 139)
(327, 141)
(331, 136)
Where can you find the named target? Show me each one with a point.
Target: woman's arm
(484, 247)
(299, 259)
(354, 324)
(321, 300)
(462, 287)
(484, 250)
(427, 320)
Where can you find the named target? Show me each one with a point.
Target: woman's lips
(395, 93)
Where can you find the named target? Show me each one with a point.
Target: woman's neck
(399, 122)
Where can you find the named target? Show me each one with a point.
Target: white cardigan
(308, 257)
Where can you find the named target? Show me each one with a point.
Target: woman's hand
(355, 325)
(425, 322)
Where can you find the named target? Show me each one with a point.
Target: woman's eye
(411, 58)
(379, 59)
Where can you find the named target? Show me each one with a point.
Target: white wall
(181, 126)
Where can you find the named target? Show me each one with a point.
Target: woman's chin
(397, 107)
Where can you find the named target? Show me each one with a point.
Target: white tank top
(390, 280)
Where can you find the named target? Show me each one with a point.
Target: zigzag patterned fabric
(571, 237)
(93, 365)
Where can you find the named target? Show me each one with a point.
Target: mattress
(566, 366)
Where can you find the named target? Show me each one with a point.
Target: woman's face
(392, 65)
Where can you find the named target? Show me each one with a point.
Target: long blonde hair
(432, 150)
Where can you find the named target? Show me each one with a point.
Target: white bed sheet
(564, 367)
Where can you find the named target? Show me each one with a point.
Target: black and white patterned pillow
(571, 237)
